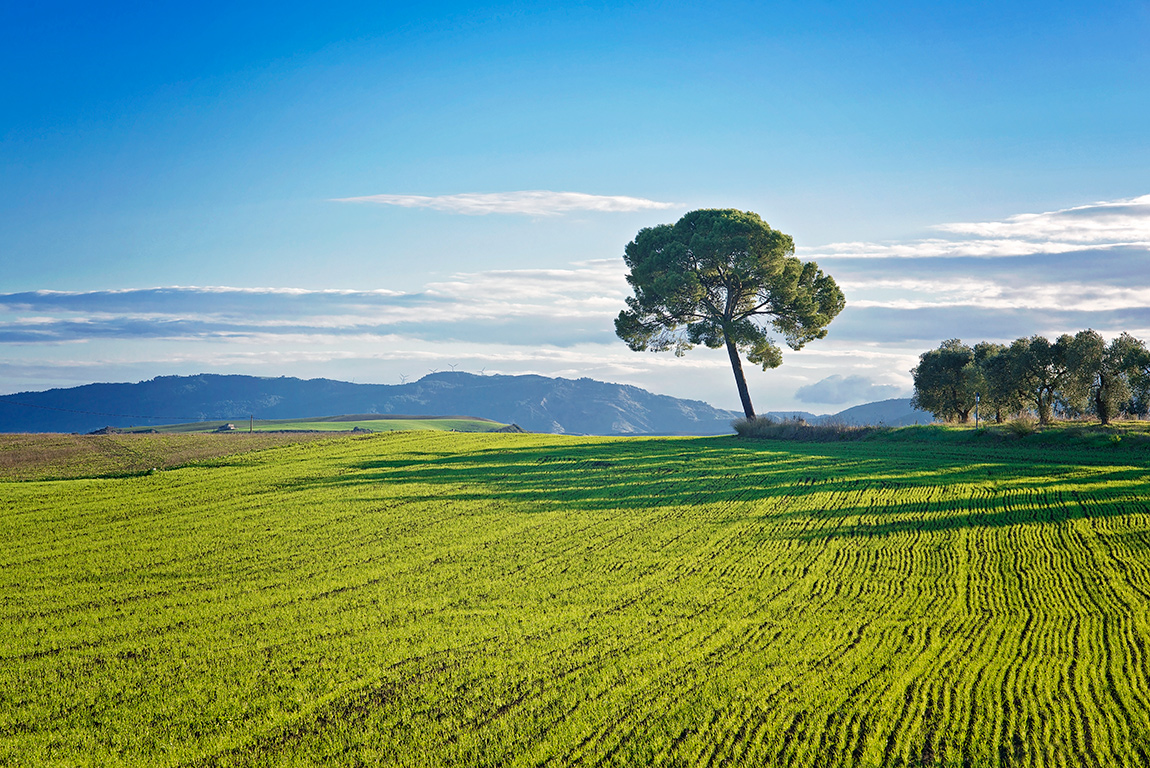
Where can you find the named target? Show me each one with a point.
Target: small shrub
(1022, 426)
(766, 428)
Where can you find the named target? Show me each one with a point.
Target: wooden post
(251, 423)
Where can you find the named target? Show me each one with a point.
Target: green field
(369, 422)
(434, 599)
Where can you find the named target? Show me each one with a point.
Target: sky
(375, 191)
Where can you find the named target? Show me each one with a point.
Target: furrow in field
(1123, 627)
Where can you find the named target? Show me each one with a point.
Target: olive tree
(1140, 381)
(724, 278)
(997, 387)
(1101, 373)
(1041, 371)
(946, 380)
(1073, 375)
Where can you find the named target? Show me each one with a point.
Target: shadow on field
(856, 489)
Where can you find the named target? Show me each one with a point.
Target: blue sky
(338, 190)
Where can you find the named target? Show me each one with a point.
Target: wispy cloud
(539, 202)
(938, 248)
(527, 306)
(1049, 273)
(909, 293)
(1106, 222)
(1096, 227)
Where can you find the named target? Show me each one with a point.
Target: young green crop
(529, 600)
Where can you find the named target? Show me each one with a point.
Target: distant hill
(536, 403)
(892, 413)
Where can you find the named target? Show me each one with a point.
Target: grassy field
(370, 422)
(430, 599)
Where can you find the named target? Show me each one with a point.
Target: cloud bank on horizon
(1047, 273)
(839, 390)
(1084, 266)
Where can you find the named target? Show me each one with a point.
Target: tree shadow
(879, 488)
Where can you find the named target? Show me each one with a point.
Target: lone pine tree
(724, 278)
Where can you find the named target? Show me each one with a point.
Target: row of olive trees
(1072, 376)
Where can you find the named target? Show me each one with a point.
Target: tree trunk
(1045, 407)
(1102, 405)
(740, 380)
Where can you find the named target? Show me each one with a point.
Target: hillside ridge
(536, 403)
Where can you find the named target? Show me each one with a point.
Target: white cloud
(1095, 227)
(1109, 222)
(987, 293)
(837, 390)
(937, 248)
(528, 306)
(539, 202)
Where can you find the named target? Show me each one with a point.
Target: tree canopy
(946, 381)
(724, 278)
(1103, 374)
(1071, 376)
(1041, 370)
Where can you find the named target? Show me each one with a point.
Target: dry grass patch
(766, 428)
(59, 456)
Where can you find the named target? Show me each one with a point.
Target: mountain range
(536, 403)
